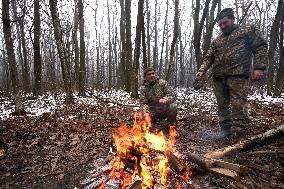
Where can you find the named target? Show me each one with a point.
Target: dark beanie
(225, 12)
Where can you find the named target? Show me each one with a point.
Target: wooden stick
(248, 144)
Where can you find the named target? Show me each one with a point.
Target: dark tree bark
(22, 47)
(148, 36)
(155, 51)
(198, 27)
(37, 55)
(82, 67)
(65, 64)
(128, 45)
(75, 45)
(274, 36)
(110, 67)
(279, 85)
(163, 41)
(175, 38)
(19, 108)
(122, 70)
(209, 29)
(139, 30)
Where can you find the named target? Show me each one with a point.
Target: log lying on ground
(217, 166)
(248, 144)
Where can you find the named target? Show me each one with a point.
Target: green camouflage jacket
(232, 55)
(150, 93)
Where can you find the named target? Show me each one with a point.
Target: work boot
(240, 132)
(225, 132)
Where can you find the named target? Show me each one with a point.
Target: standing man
(157, 99)
(231, 55)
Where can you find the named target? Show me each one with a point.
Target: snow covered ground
(187, 99)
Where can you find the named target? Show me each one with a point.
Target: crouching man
(157, 100)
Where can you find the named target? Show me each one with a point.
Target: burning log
(137, 184)
(175, 163)
(250, 143)
(145, 155)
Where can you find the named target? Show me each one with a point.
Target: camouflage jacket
(151, 93)
(232, 55)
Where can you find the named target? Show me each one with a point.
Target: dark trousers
(231, 94)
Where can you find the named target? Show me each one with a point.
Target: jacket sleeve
(170, 93)
(144, 107)
(259, 49)
(208, 59)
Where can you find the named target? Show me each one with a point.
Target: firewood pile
(140, 159)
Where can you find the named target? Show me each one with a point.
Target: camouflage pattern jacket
(232, 55)
(151, 93)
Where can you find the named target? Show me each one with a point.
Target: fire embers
(141, 159)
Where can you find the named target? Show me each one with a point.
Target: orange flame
(139, 139)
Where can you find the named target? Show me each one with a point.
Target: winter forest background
(75, 45)
(70, 72)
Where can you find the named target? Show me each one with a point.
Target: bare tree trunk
(109, 51)
(139, 30)
(148, 36)
(198, 27)
(23, 54)
(122, 66)
(128, 45)
(209, 30)
(145, 64)
(19, 108)
(75, 45)
(175, 37)
(279, 85)
(274, 36)
(181, 60)
(82, 67)
(163, 41)
(37, 55)
(65, 64)
(156, 39)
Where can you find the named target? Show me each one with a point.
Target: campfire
(142, 158)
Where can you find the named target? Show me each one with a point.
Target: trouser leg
(168, 111)
(239, 88)
(221, 92)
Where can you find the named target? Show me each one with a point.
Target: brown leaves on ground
(57, 149)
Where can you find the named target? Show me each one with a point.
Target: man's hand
(199, 74)
(257, 75)
(163, 101)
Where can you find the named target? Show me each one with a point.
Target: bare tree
(82, 67)
(279, 84)
(122, 67)
(75, 45)
(155, 50)
(37, 55)
(23, 54)
(210, 26)
(65, 64)
(274, 37)
(148, 36)
(19, 108)
(175, 38)
(139, 30)
(128, 45)
(163, 39)
(198, 27)
(110, 67)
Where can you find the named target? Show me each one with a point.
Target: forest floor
(56, 149)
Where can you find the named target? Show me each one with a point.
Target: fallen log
(217, 166)
(248, 144)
